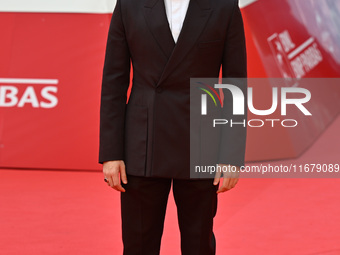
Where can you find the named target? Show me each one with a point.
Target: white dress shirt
(175, 12)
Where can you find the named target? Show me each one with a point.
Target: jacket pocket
(136, 129)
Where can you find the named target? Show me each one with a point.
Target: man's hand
(230, 178)
(112, 170)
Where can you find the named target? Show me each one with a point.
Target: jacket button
(159, 89)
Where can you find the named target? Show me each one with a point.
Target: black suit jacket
(151, 133)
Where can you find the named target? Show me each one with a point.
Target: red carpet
(61, 212)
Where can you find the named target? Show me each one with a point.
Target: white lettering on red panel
(36, 93)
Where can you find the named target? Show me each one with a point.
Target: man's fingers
(217, 178)
(119, 188)
(224, 186)
(116, 183)
(228, 184)
(123, 174)
(234, 182)
(230, 179)
(114, 171)
(221, 190)
(109, 180)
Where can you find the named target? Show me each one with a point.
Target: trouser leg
(196, 202)
(143, 207)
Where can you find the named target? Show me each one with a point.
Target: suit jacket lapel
(156, 19)
(197, 15)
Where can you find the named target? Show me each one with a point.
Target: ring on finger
(107, 181)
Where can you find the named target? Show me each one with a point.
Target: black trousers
(143, 208)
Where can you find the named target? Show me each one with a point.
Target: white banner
(58, 6)
(68, 6)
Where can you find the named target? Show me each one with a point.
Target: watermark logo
(276, 118)
(281, 99)
(204, 97)
(239, 99)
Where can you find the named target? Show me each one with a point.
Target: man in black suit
(144, 144)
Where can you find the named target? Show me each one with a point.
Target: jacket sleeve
(234, 65)
(115, 82)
